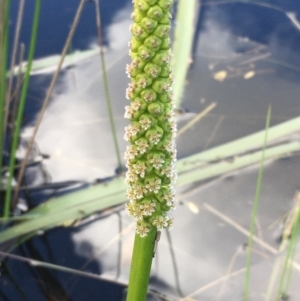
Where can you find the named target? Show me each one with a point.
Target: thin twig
(178, 288)
(196, 119)
(15, 95)
(37, 263)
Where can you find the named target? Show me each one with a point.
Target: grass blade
(4, 28)
(106, 88)
(239, 146)
(16, 133)
(184, 35)
(13, 60)
(287, 266)
(255, 207)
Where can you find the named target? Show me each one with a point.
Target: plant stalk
(4, 28)
(143, 251)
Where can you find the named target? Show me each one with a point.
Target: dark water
(245, 57)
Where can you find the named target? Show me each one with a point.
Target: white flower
(131, 153)
(142, 230)
(145, 123)
(169, 198)
(157, 162)
(168, 171)
(139, 191)
(131, 131)
(170, 223)
(131, 194)
(139, 168)
(142, 145)
(138, 213)
(128, 112)
(155, 137)
(170, 146)
(131, 177)
(130, 207)
(135, 105)
(153, 185)
(160, 222)
(148, 208)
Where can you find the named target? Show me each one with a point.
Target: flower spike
(151, 155)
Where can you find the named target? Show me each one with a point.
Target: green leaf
(184, 35)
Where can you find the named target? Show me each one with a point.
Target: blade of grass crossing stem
(16, 133)
(142, 256)
(286, 274)
(106, 88)
(255, 207)
(4, 32)
(85, 202)
(184, 34)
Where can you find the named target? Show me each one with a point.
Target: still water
(245, 57)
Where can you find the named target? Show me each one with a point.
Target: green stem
(143, 250)
(4, 32)
(17, 130)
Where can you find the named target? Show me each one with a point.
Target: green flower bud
(148, 95)
(155, 109)
(165, 4)
(162, 31)
(151, 2)
(146, 121)
(165, 71)
(165, 19)
(142, 5)
(143, 80)
(155, 13)
(165, 44)
(149, 24)
(162, 58)
(145, 53)
(154, 134)
(137, 16)
(152, 70)
(166, 127)
(165, 97)
(137, 62)
(161, 85)
(135, 44)
(153, 42)
(139, 32)
(141, 103)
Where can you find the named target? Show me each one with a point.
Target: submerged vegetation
(150, 156)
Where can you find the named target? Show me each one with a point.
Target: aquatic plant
(151, 154)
